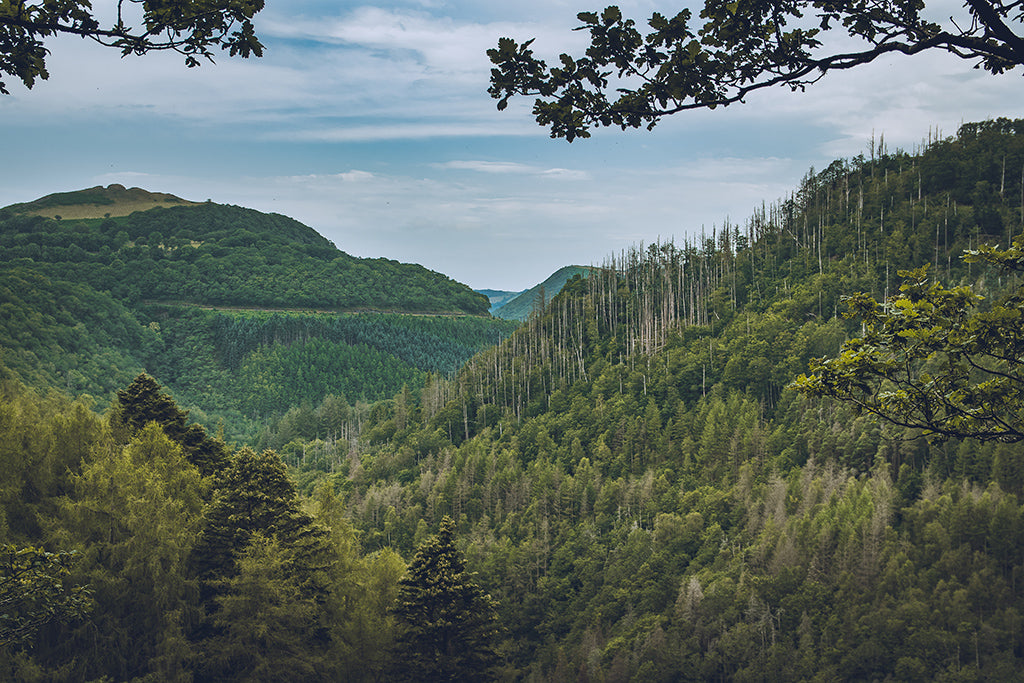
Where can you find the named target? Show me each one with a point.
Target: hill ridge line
(311, 311)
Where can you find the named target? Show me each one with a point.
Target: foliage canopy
(191, 28)
(33, 591)
(932, 358)
(629, 79)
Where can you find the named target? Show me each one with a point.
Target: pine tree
(142, 402)
(259, 551)
(254, 496)
(450, 623)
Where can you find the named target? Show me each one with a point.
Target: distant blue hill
(498, 297)
(519, 307)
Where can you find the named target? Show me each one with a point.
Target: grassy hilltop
(98, 202)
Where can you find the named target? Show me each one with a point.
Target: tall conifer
(451, 624)
(142, 402)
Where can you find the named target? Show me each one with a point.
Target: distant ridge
(520, 307)
(98, 202)
(147, 247)
(498, 297)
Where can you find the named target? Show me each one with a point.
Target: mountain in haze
(519, 306)
(498, 297)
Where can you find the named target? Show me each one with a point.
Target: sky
(371, 123)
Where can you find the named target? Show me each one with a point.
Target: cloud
(353, 176)
(488, 166)
(401, 131)
(732, 169)
(368, 74)
(565, 174)
(441, 44)
(515, 168)
(407, 47)
(373, 125)
(443, 37)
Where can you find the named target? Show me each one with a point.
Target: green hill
(66, 334)
(521, 305)
(189, 288)
(218, 255)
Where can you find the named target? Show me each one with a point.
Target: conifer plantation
(632, 485)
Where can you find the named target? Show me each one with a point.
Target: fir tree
(450, 622)
(255, 496)
(142, 402)
(259, 551)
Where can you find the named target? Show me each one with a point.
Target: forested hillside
(225, 256)
(647, 499)
(629, 476)
(244, 314)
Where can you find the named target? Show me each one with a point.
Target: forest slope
(180, 284)
(648, 500)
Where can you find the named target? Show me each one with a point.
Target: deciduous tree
(33, 591)
(630, 78)
(191, 28)
(266, 625)
(934, 358)
(132, 518)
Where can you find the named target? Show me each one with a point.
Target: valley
(629, 472)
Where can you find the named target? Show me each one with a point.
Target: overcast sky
(371, 123)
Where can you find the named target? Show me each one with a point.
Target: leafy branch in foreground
(32, 592)
(188, 27)
(930, 358)
(627, 78)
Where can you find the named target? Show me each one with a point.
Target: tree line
(224, 256)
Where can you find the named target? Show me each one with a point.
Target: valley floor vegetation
(627, 487)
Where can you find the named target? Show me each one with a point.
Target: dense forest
(628, 481)
(243, 314)
(224, 256)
